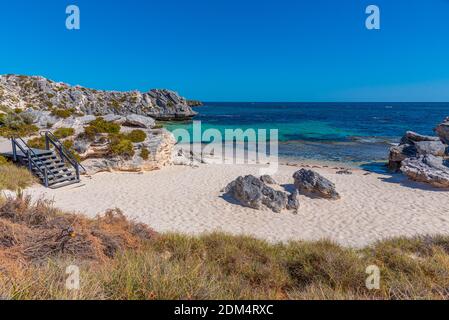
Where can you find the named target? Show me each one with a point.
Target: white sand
(188, 200)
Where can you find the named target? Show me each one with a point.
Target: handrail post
(29, 160)
(47, 143)
(77, 169)
(45, 178)
(14, 149)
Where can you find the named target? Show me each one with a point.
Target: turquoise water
(344, 132)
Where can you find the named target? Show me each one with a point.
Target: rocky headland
(25, 92)
(106, 130)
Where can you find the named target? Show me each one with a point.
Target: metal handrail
(30, 154)
(63, 151)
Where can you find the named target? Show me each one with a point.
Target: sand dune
(188, 200)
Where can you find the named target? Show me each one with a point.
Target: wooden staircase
(55, 167)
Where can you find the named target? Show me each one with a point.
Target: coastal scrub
(119, 259)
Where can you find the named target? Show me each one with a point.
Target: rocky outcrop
(252, 192)
(309, 181)
(423, 158)
(42, 94)
(159, 143)
(134, 120)
(414, 145)
(427, 168)
(442, 130)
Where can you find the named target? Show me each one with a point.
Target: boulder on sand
(427, 168)
(309, 181)
(252, 192)
(414, 145)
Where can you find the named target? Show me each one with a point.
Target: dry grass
(123, 260)
(13, 177)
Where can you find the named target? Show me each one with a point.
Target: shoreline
(188, 200)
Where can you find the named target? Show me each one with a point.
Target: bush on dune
(101, 126)
(124, 260)
(120, 146)
(62, 133)
(13, 125)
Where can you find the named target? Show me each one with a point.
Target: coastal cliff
(39, 93)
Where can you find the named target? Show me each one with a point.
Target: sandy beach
(189, 200)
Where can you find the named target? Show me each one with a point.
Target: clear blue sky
(230, 50)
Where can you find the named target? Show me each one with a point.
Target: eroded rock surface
(250, 191)
(429, 169)
(309, 181)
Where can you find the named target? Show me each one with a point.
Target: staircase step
(46, 157)
(64, 184)
(57, 175)
(48, 163)
(63, 179)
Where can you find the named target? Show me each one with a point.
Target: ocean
(356, 133)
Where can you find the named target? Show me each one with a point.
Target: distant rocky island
(17, 91)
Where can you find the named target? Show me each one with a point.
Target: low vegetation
(13, 178)
(144, 153)
(37, 143)
(119, 259)
(68, 144)
(101, 126)
(14, 124)
(62, 113)
(136, 136)
(62, 133)
(120, 146)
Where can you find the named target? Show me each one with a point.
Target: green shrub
(144, 154)
(119, 146)
(62, 113)
(62, 133)
(17, 125)
(68, 144)
(136, 136)
(37, 143)
(99, 125)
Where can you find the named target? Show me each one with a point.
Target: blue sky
(229, 50)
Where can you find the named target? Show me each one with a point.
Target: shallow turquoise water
(346, 132)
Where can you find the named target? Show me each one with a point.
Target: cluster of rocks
(43, 94)
(423, 158)
(257, 193)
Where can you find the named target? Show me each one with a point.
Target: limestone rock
(410, 137)
(252, 192)
(436, 148)
(44, 94)
(293, 201)
(267, 179)
(134, 120)
(427, 168)
(309, 181)
(442, 130)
